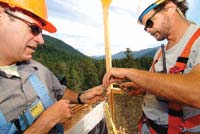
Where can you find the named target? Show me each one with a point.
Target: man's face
(18, 36)
(155, 23)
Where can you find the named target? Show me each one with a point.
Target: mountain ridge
(148, 52)
(60, 45)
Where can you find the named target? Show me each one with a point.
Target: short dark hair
(182, 5)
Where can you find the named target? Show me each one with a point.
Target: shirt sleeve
(57, 88)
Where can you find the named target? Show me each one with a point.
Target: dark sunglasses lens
(149, 24)
(35, 29)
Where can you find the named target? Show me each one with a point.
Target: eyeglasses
(149, 23)
(35, 29)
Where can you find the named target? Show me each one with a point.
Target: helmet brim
(49, 27)
(152, 6)
(148, 9)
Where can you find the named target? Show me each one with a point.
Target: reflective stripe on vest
(9, 127)
(41, 90)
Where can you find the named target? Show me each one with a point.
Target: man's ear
(170, 8)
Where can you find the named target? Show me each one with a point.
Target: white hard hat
(146, 6)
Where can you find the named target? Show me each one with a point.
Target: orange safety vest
(176, 124)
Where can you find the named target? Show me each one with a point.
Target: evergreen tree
(129, 61)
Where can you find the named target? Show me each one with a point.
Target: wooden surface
(79, 111)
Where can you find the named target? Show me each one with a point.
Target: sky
(79, 23)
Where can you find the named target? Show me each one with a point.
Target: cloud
(80, 24)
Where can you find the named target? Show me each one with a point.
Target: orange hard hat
(35, 7)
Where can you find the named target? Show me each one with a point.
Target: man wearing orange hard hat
(32, 101)
(171, 88)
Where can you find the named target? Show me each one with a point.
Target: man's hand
(132, 89)
(63, 110)
(93, 95)
(114, 75)
(59, 112)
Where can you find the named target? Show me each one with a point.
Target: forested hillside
(81, 71)
(62, 59)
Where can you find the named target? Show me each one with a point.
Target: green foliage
(145, 62)
(80, 71)
(60, 58)
(130, 62)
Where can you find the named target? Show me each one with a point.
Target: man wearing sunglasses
(32, 100)
(171, 102)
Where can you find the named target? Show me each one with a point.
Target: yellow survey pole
(106, 5)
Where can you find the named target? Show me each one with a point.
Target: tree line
(81, 72)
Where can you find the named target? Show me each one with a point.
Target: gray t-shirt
(158, 110)
(17, 93)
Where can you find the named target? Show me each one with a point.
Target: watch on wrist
(79, 99)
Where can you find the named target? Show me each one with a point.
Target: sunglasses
(149, 23)
(35, 29)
